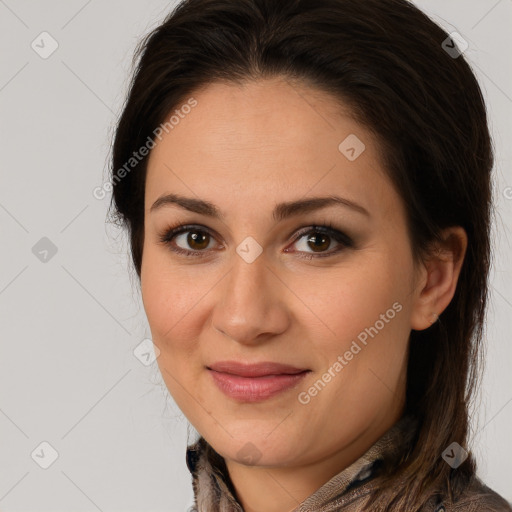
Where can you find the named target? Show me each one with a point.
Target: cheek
(365, 307)
(351, 298)
(169, 298)
(168, 294)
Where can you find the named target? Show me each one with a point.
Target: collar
(214, 491)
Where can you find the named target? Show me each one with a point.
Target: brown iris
(198, 237)
(322, 244)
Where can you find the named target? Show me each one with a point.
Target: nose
(251, 305)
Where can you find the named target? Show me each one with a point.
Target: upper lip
(254, 369)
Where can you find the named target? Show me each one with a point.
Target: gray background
(69, 325)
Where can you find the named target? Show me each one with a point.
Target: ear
(438, 278)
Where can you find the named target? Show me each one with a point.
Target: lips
(255, 369)
(255, 382)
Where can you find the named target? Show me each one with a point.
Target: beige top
(348, 491)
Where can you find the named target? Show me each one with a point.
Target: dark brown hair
(385, 60)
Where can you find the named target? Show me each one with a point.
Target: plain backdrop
(73, 395)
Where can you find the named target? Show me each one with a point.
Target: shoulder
(479, 497)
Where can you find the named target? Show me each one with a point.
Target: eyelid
(326, 227)
(172, 232)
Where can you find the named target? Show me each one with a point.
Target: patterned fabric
(348, 491)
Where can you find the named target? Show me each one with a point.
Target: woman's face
(261, 284)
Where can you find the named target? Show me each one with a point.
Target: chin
(253, 449)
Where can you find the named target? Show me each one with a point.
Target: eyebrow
(281, 211)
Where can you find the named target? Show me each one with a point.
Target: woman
(307, 189)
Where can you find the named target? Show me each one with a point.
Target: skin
(246, 148)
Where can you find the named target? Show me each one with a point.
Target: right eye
(194, 236)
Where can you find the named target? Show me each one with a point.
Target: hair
(385, 61)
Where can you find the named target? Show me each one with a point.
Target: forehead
(267, 139)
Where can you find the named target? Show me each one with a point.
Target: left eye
(318, 238)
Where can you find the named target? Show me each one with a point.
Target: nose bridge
(251, 301)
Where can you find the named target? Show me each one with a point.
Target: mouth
(262, 369)
(255, 382)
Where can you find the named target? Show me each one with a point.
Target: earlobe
(437, 289)
(434, 317)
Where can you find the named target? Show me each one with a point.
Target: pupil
(324, 239)
(194, 237)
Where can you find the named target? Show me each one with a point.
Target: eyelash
(325, 228)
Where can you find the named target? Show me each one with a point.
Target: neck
(276, 489)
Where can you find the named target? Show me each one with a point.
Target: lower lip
(255, 389)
